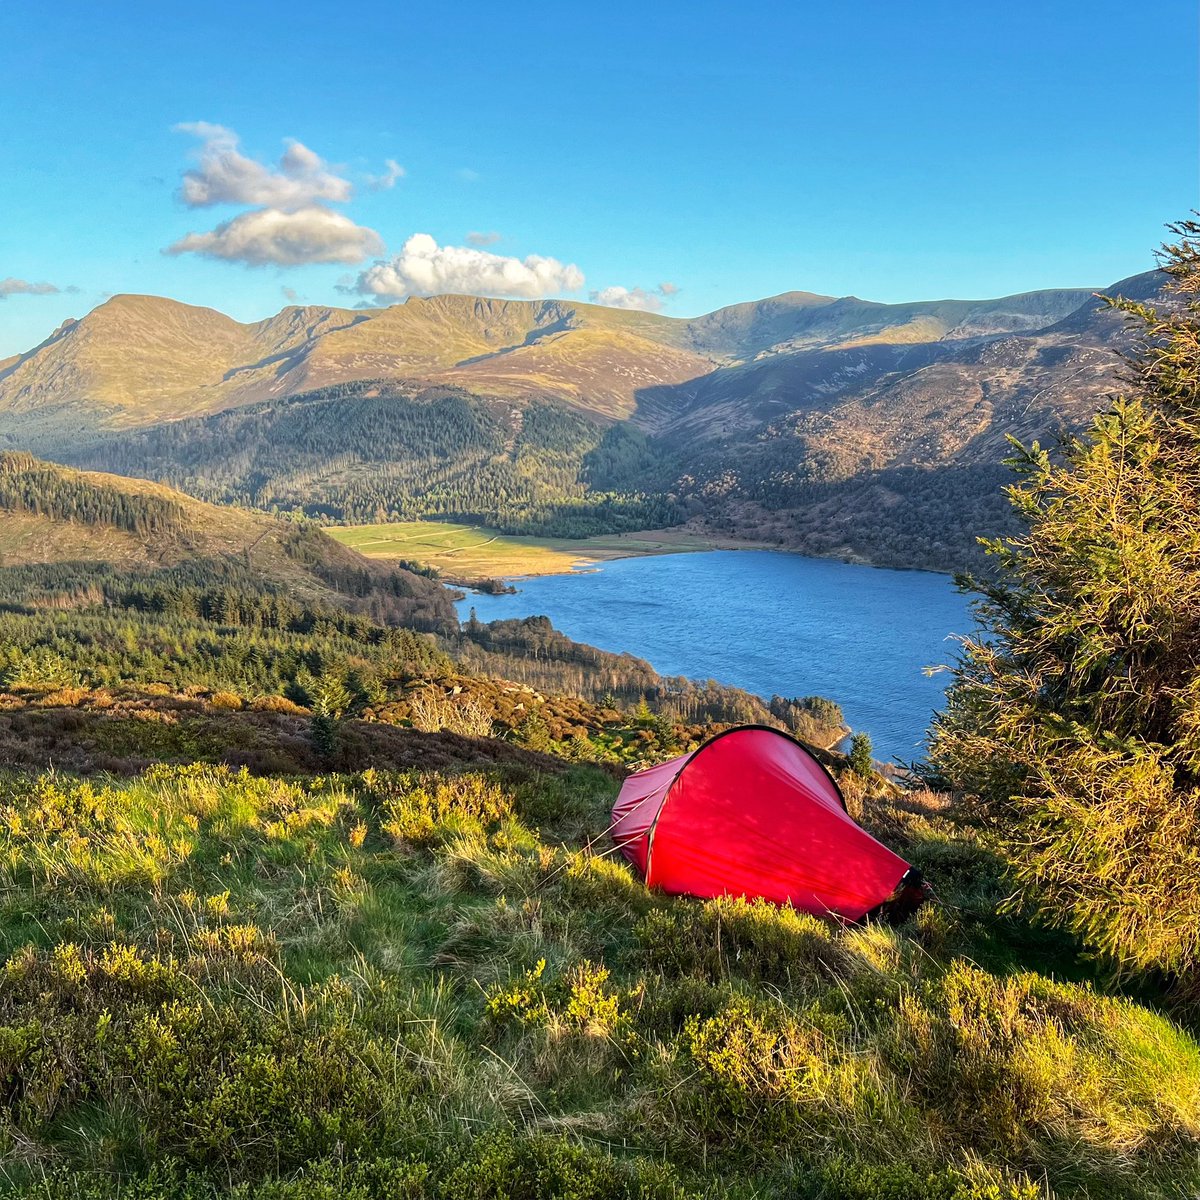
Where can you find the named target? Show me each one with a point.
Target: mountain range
(834, 425)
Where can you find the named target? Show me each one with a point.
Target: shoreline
(592, 564)
(464, 554)
(467, 555)
(587, 565)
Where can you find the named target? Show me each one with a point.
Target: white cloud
(479, 238)
(381, 183)
(290, 223)
(22, 287)
(285, 239)
(224, 175)
(423, 268)
(634, 298)
(622, 297)
(290, 294)
(468, 175)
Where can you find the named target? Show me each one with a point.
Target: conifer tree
(1074, 717)
(861, 760)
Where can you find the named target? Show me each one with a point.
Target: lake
(771, 623)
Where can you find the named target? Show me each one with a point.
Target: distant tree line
(365, 453)
(530, 650)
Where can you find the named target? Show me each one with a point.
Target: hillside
(107, 581)
(920, 402)
(376, 451)
(422, 971)
(564, 419)
(62, 525)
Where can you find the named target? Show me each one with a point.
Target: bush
(432, 711)
(848, 1180)
(241, 1088)
(323, 729)
(277, 704)
(580, 999)
(1013, 1071)
(504, 1167)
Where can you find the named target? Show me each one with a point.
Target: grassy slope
(138, 359)
(470, 551)
(383, 985)
(602, 371)
(209, 530)
(28, 538)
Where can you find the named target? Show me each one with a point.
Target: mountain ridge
(138, 359)
(573, 419)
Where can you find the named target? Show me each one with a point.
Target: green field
(471, 551)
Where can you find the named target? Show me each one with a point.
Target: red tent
(752, 813)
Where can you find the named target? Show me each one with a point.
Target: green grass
(426, 984)
(471, 551)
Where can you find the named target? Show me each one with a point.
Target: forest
(372, 452)
(904, 517)
(30, 486)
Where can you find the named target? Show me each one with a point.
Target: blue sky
(729, 151)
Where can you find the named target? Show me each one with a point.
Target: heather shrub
(581, 999)
(218, 984)
(963, 1065)
(716, 939)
